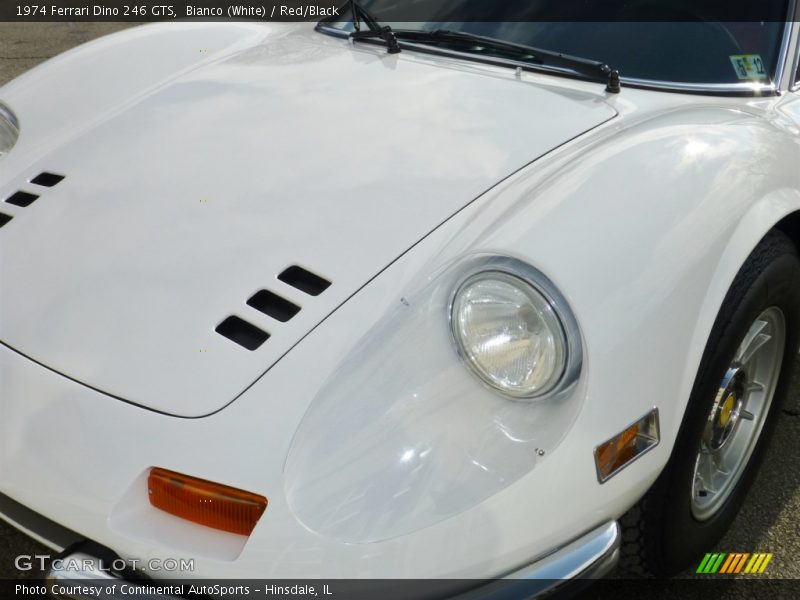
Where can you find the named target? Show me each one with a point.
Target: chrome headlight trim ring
(543, 286)
(9, 129)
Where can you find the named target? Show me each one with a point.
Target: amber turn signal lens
(615, 454)
(204, 502)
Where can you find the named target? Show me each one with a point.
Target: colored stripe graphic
(740, 565)
(753, 564)
(758, 563)
(711, 563)
(703, 564)
(733, 563)
(718, 564)
(727, 564)
(764, 564)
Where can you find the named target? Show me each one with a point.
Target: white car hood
(177, 206)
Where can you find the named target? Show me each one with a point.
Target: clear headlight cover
(9, 129)
(398, 437)
(509, 334)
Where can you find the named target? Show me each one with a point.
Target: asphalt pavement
(767, 523)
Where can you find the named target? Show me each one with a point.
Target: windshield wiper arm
(375, 31)
(591, 69)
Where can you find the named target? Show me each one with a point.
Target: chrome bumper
(589, 557)
(562, 573)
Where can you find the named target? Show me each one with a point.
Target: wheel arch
(790, 225)
(780, 210)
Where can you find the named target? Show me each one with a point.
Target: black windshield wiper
(590, 69)
(375, 31)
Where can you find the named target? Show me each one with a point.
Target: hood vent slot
(47, 179)
(4, 219)
(305, 281)
(273, 305)
(21, 198)
(243, 333)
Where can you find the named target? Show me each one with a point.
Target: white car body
(202, 159)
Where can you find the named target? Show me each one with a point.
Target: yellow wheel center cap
(727, 409)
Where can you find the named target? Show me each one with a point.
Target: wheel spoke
(708, 475)
(746, 415)
(756, 328)
(753, 342)
(705, 491)
(753, 386)
(700, 486)
(719, 463)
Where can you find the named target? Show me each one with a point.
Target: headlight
(509, 334)
(439, 442)
(9, 129)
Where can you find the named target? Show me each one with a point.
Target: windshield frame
(742, 88)
(793, 63)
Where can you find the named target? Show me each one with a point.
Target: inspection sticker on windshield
(748, 66)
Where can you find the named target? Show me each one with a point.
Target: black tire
(661, 537)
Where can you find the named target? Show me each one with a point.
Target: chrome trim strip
(561, 573)
(744, 87)
(783, 53)
(794, 79)
(589, 557)
(36, 526)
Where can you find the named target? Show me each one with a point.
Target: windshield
(693, 49)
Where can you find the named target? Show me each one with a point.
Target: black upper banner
(405, 11)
